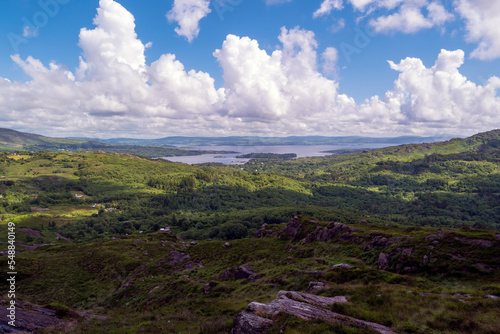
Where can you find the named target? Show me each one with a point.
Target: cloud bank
(114, 92)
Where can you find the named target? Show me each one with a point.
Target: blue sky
(283, 67)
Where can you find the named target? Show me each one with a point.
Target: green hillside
(11, 140)
(418, 223)
(15, 141)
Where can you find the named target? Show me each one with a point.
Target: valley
(120, 243)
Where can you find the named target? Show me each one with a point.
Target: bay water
(302, 151)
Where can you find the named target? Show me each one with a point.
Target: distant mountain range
(12, 141)
(252, 141)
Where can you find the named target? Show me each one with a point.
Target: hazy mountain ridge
(20, 140)
(251, 140)
(12, 141)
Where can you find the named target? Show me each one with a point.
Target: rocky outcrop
(316, 286)
(398, 253)
(466, 240)
(182, 261)
(438, 236)
(60, 237)
(240, 272)
(332, 231)
(31, 318)
(484, 267)
(258, 317)
(313, 299)
(377, 241)
(384, 261)
(475, 242)
(208, 287)
(342, 266)
(264, 231)
(404, 260)
(250, 323)
(492, 297)
(292, 229)
(296, 230)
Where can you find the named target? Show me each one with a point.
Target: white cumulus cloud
(440, 96)
(410, 18)
(330, 57)
(270, 87)
(327, 6)
(482, 23)
(407, 16)
(363, 5)
(188, 14)
(113, 89)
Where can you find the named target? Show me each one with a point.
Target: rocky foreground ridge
(32, 318)
(357, 277)
(257, 318)
(417, 252)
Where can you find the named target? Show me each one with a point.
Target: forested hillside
(449, 184)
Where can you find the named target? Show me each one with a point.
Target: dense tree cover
(91, 195)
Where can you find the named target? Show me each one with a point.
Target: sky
(158, 68)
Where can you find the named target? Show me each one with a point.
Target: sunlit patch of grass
(18, 157)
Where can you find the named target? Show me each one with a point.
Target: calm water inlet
(302, 151)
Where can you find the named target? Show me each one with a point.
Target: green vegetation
(15, 141)
(141, 284)
(450, 184)
(347, 151)
(114, 207)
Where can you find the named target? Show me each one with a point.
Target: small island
(273, 156)
(346, 151)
